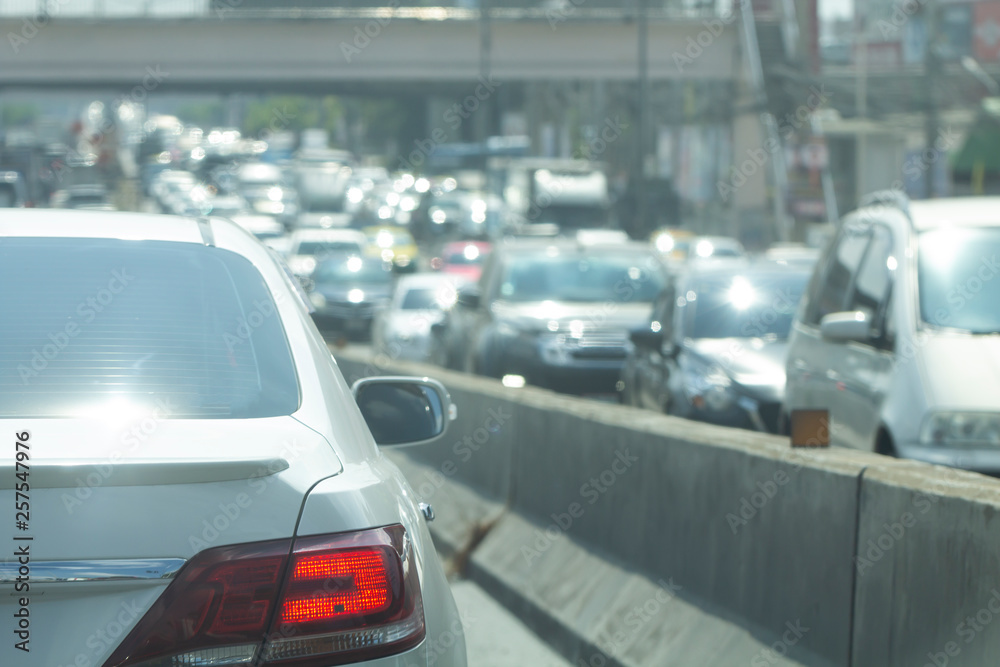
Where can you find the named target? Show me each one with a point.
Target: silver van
(898, 334)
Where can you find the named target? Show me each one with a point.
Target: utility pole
(861, 103)
(642, 212)
(932, 70)
(484, 123)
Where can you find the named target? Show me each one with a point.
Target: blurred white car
(403, 330)
(237, 509)
(264, 227)
(306, 245)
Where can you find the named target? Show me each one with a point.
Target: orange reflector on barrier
(810, 428)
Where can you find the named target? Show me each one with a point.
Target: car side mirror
(404, 410)
(645, 337)
(845, 326)
(468, 298)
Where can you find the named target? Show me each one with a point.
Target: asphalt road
(496, 638)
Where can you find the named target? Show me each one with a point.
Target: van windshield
(958, 271)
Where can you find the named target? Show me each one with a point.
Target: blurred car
(714, 346)
(555, 314)
(268, 192)
(321, 176)
(264, 227)
(792, 253)
(347, 290)
(403, 329)
(360, 185)
(715, 247)
(393, 244)
(243, 487)
(13, 190)
(673, 243)
(897, 337)
(169, 183)
(226, 206)
(87, 197)
(323, 220)
(463, 259)
(305, 246)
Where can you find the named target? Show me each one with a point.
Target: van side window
(872, 283)
(833, 292)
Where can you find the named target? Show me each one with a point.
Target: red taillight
(360, 586)
(334, 599)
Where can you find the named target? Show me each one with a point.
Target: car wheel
(884, 444)
(784, 425)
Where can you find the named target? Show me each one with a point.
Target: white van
(898, 334)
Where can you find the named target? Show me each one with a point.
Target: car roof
(522, 245)
(742, 266)
(61, 223)
(956, 211)
(456, 246)
(327, 234)
(419, 280)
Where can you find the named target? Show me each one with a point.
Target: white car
(897, 334)
(264, 227)
(305, 245)
(194, 481)
(403, 330)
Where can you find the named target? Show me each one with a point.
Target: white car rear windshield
(97, 325)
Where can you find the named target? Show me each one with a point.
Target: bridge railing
(600, 10)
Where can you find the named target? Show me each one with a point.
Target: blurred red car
(463, 259)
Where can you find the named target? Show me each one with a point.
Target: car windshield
(956, 268)
(325, 247)
(571, 276)
(421, 298)
(108, 325)
(742, 306)
(568, 216)
(352, 270)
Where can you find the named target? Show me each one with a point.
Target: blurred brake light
(334, 599)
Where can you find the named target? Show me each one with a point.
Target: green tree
(204, 114)
(18, 114)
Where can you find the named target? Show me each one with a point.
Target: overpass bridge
(337, 52)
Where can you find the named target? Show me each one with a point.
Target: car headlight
(711, 388)
(961, 429)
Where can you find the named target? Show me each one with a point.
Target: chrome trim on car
(66, 571)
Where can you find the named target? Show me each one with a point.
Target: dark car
(554, 314)
(714, 345)
(347, 290)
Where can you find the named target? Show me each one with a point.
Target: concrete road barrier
(781, 556)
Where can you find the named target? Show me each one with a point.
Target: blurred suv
(237, 509)
(898, 336)
(714, 346)
(348, 290)
(555, 314)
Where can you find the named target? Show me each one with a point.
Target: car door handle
(427, 511)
